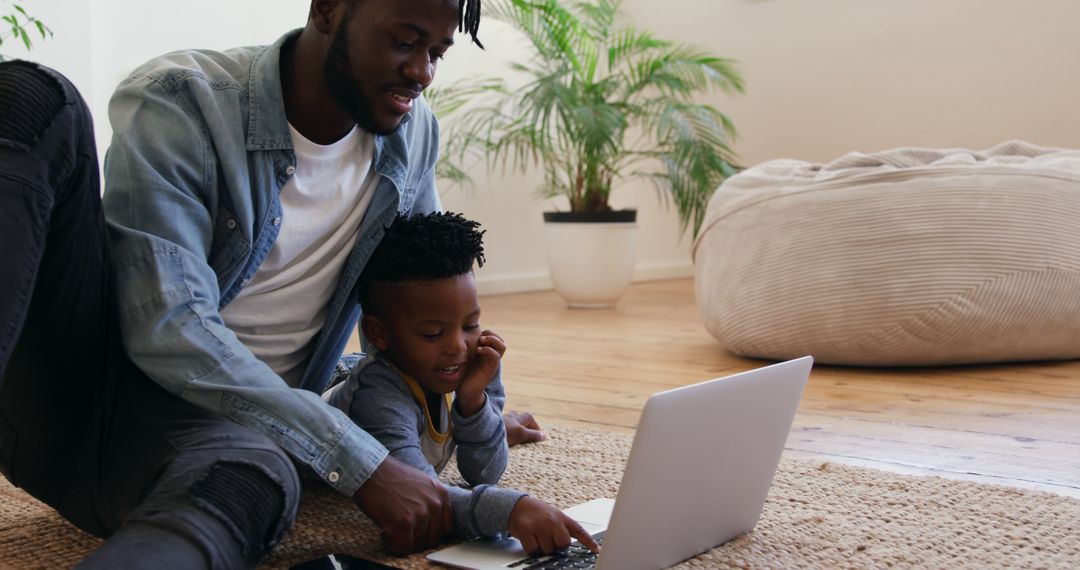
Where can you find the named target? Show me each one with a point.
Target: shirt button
(290, 170)
(277, 221)
(333, 477)
(231, 224)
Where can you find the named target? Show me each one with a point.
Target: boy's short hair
(423, 247)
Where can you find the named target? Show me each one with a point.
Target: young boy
(432, 386)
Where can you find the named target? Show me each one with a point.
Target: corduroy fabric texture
(904, 257)
(29, 100)
(818, 515)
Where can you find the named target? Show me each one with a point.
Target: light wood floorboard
(1010, 424)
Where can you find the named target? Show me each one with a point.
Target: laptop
(699, 470)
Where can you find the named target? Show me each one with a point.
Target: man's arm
(162, 184)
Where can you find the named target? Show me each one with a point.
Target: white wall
(98, 42)
(824, 77)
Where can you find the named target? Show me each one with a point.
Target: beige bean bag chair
(904, 257)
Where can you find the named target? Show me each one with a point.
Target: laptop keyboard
(574, 556)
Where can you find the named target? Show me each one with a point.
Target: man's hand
(490, 348)
(521, 427)
(542, 528)
(412, 510)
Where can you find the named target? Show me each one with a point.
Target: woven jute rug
(818, 515)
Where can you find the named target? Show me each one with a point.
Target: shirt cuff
(351, 461)
(492, 508)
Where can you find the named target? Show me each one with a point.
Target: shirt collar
(268, 127)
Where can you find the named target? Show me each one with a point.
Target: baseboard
(513, 283)
(541, 281)
(662, 271)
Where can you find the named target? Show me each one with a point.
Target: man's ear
(322, 14)
(375, 331)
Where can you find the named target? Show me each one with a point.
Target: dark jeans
(81, 428)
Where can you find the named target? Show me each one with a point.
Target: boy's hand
(470, 394)
(542, 528)
(522, 427)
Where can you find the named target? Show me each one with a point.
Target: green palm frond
(447, 101)
(628, 43)
(603, 102)
(598, 16)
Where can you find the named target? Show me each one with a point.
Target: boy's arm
(380, 404)
(481, 438)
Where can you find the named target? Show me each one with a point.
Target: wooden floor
(1016, 424)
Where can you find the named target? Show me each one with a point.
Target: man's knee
(255, 496)
(226, 514)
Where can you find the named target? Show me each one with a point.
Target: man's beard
(345, 88)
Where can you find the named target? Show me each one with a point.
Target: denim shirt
(200, 151)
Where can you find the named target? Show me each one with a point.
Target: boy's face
(428, 328)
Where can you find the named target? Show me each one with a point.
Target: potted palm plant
(603, 102)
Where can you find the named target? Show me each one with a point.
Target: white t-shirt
(284, 306)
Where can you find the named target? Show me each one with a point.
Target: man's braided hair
(469, 19)
(423, 247)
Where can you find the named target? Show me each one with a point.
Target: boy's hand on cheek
(470, 395)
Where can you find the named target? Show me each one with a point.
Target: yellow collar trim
(418, 395)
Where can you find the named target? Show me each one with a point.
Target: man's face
(384, 53)
(430, 329)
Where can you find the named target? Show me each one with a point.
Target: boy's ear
(375, 331)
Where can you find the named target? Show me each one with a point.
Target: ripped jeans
(81, 428)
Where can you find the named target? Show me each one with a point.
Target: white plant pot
(591, 263)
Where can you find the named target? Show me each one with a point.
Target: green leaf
(25, 37)
(21, 11)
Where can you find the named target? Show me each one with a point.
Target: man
(244, 191)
